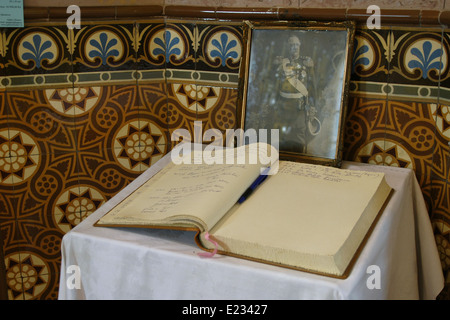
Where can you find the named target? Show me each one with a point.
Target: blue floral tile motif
(35, 50)
(224, 49)
(167, 47)
(38, 50)
(221, 48)
(419, 58)
(370, 56)
(35, 56)
(104, 48)
(359, 57)
(427, 58)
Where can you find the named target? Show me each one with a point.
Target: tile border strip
(67, 80)
(394, 91)
(403, 17)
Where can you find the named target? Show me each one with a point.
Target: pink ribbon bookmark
(209, 254)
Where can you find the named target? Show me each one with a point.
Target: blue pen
(254, 185)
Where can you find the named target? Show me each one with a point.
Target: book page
(306, 209)
(183, 195)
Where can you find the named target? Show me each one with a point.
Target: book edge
(343, 275)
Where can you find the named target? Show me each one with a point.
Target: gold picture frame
(295, 79)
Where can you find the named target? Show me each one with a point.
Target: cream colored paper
(186, 195)
(310, 216)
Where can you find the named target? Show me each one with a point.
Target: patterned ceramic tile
(441, 206)
(143, 138)
(102, 130)
(14, 276)
(30, 277)
(363, 117)
(181, 64)
(8, 217)
(418, 57)
(420, 65)
(37, 167)
(102, 111)
(371, 56)
(441, 170)
(190, 52)
(181, 113)
(21, 159)
(152, 101)
(404, 64)
(178, 46)
(138, 145)
(149, 41)
(402, 134)
(77, 169)
(65, 206)
(104, 52)
(440, 195)
(198, 108)
(4, 125)
(87, 197)
(59, 174)
(63, 103)
(445, 73)
(34, 251)
(391, 133)
(41, 121)
(37, 56)
(111, 139)
(217, 110)
(3, 79)
(220, 48)
(411, 125)
(408, 126)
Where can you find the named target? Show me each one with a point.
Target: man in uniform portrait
(298, 114)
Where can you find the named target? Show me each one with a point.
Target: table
(399, 261)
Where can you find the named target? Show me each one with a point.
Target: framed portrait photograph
(296, 79)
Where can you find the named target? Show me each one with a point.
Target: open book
(304, 216)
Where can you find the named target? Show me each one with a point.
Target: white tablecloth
(128, 263)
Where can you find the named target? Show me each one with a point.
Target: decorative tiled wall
(398, 107)
(399, 113)
(84, 112)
